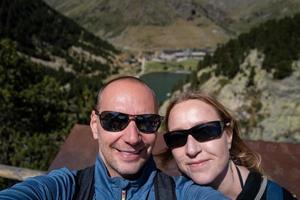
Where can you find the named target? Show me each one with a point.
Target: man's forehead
(121, 91)
(126, 86)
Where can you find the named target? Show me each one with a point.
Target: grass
(190, 64)
(181, 34)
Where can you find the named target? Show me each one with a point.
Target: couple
(125, 122)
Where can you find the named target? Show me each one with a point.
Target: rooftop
(280, 161)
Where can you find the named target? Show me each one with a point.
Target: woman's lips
(197, 164)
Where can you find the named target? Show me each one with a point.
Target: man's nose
(132, 134)
(192, 147)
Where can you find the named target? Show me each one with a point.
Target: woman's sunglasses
(116, 121)
(201, 132)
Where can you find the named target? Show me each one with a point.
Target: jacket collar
(105, 183)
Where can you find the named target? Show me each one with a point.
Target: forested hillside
(257, 76)
(277, 40)
(46, 35)
(50, 72)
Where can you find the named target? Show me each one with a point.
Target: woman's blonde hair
(240, 153)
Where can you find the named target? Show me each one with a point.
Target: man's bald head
(123, 80)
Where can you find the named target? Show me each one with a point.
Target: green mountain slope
(172, 23)
(50, 38)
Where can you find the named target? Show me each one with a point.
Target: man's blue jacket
(60, 185)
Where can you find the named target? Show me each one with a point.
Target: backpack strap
(262, 188)
(164, 187)
(84, 188)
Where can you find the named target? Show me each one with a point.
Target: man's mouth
(130, 155)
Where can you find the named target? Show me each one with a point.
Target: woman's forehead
(190, 113)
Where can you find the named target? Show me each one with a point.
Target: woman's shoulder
(274, 190)
(259, 185)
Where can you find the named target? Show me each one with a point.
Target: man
(124, 122)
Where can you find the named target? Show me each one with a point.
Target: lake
(163, 83)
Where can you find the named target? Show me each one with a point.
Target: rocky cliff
(267, 109)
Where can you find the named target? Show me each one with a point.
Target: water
(163, 83)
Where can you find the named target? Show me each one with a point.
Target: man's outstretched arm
(57, 185)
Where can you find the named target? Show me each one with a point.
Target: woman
(205, 141)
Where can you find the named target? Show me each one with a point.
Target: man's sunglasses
(117, 121)
(201, 132)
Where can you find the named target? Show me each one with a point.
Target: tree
(34, 111)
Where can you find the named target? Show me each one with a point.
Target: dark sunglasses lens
(206, 132)
(202, 133)
(148, 123)
(175, 139)
(113, 121)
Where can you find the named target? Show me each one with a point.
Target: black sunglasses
(201, 132)
(117, 121)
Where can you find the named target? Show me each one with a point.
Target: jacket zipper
(123, 195)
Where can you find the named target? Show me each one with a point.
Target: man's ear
(94, 125)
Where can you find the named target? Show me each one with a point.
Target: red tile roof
(78, 151)
(280, 160)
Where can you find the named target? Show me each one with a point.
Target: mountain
(53, 40)
(257, 76)
(153, 24)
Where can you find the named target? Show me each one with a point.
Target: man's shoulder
(62, 172)
(62, 175)
(187, 189)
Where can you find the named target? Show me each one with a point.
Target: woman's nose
(192, 147)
